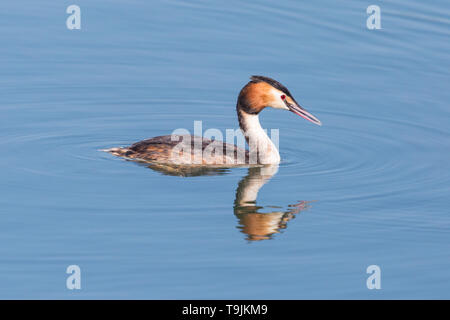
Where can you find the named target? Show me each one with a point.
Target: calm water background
(378, 168)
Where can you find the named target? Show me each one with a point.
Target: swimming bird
(186, 150)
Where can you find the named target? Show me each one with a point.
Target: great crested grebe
(259, 93)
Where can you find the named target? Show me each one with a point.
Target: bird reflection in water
(254, 220)
(258, 225)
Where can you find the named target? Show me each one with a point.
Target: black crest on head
(272, 82)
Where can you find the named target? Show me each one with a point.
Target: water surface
(371, 186)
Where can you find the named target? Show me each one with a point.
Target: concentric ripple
(368, 157)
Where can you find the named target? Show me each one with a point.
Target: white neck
(262, 149)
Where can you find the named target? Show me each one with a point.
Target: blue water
(374, 178)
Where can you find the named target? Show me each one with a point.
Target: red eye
(283, 97)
